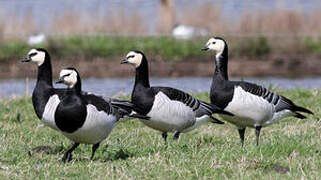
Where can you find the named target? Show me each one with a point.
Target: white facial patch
(69, 76)
(134, 58)
(37, 56)
(216, 45)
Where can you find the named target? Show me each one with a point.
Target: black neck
(221, 64)
(45, 72)
(142, 77)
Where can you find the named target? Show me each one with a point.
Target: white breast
(168, 115)
(48, 116)
(96, 128)
(249, 109)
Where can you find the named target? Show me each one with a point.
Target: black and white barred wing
(199, 107)
(177, 95)
(279, 102)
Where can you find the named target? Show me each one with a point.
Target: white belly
(48, 116)
(248, 109)
(169, 116)
(199, 121)
(278, 116)
(96, 128)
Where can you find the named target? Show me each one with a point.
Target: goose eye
(213, 42)
(32, 54)
(130, 56)
(66, 75)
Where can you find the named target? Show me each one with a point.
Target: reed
(274, 22)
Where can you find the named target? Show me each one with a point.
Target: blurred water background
(123, 86)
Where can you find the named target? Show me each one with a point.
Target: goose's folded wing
(178, 95)
(279, 102)
(200, 107)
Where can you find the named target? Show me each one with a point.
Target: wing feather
(279, 102)
(200, 107)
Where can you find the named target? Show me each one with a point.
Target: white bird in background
(36, 39)
(187, 32)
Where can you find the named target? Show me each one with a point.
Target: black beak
(26, 59)
(204, 48)
(60, 80)
(124, 61)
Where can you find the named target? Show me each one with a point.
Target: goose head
(134, 58)
(69, 77)
(216, 44)
(37, 55)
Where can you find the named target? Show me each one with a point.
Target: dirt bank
(295, 66)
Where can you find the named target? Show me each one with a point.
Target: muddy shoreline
(241, 67)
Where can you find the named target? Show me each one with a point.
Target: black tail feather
(216, 121)
(225, 112)
(220, 111)
(120, 102)
(301, 109)
(122, 112)
(215, 109)
(126, 108)
(139, 116)
(123, 104)
(300, 116)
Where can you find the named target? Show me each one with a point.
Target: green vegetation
(288, 150)
(13, 49)
(165, 47)
(254, 47)
(313, 45)
(104, 46)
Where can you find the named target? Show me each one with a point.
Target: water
(123, 86)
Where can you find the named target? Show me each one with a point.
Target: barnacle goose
(253, 106)
(169, 109)
(46, 98)
(44, 94)
(82, 118)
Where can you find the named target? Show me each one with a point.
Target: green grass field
(288, 150)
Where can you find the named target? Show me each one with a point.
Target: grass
(288, 150)
(163, 47)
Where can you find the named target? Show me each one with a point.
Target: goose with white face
(133, 58)
(215, 44)
(35, 55)
(67, 77)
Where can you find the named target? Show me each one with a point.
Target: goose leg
(164, 135)
(176, 135)
(257, 133)
(67, 156)
(242, 132)
(94, 148)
